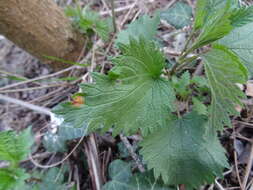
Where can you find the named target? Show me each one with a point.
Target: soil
(16, 61)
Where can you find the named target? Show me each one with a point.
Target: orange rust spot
(78, 101)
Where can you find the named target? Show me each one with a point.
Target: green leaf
(123, 152)
(119, 170)
(15, 147)
(147, 181)
(181, 85)
(133, 96)
(68, 78)
(221, 4)
(179, 15)
(12, 179)
(122, 179)
(199, 81)
(52, 58)
(199, 107)
(72, 115)
(56, 142)
(242, 16)
(205, 9)
(85, 19)
(73, 12)
(240, 41)
(184, 152)
(91, 19)
(200, 13)
(16, 78)
(216, 27)
(224, 70)
(119, 173)
(53, 179)
(214, 5)
(145, 27)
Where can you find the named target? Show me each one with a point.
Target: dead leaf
(249, 88)
(238, 108)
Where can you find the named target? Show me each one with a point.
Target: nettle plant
(142, 93)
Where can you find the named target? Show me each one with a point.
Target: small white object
(55, 122)
(2, 37)
(240, 86)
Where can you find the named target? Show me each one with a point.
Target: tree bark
(41, 28)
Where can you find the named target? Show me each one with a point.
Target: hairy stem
(113, 16)
(182, 62)
(185, 52)
(186, 62)
(188, 42)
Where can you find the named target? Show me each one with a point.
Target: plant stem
(12, 74)
(181, 63)
(188, 42)
(113, 16)
(184, 53)
(132, 153)
(186, 62)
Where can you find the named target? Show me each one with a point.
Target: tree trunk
(41, 28)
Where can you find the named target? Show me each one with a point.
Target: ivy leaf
(122, 179)
(184, 153)
(119, 173)
(178, 15)
(123, 152)
(53, 142)
(242, 16)
(224, 70)
(133, 96)
(240, 41)
(53, 179)
(145, 27)
(56, 142)
(15, 147)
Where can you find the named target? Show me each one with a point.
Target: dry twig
(248, 169)
(38, 78)
(93, 162)
(235, 160)
(132, 153)
(26, 104)
(57, 163)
